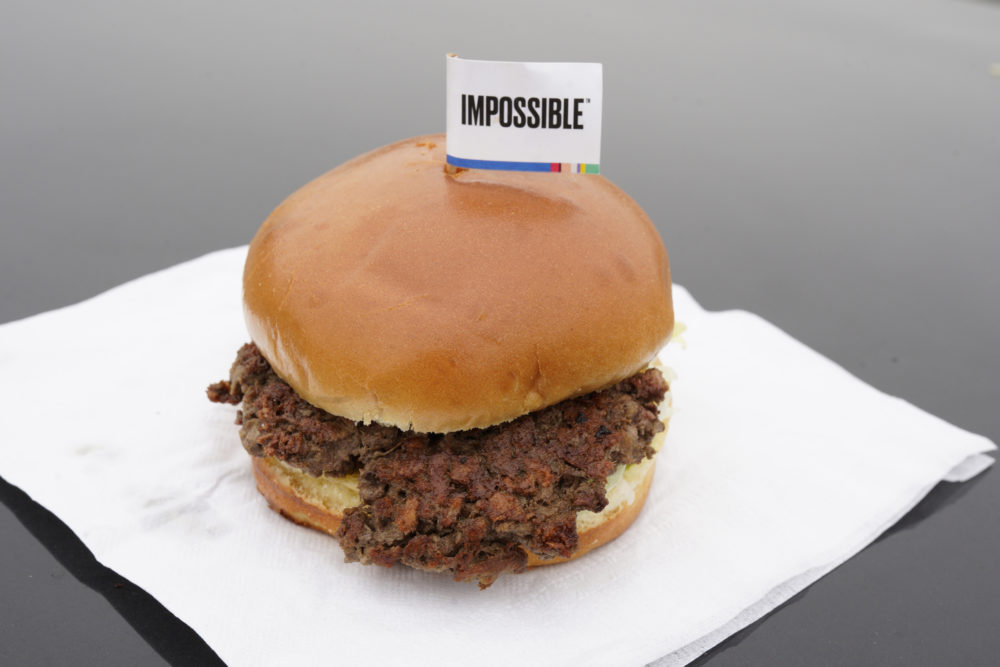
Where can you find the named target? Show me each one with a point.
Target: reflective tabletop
(833, 167)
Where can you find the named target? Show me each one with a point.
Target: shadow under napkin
(172, 639)
(941, 496)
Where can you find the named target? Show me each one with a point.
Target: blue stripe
(498, 164)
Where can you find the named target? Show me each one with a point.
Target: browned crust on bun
(284, 500)
(288, 504)
(394, 290)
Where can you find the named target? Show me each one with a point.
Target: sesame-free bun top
(398, 290)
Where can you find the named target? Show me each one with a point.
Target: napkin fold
(778, 466)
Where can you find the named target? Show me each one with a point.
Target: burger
(450, 369)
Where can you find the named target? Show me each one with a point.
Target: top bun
(398, 290)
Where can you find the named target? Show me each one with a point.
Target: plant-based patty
(466, 502)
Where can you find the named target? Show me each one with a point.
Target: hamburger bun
(444, 318)
(397, 290)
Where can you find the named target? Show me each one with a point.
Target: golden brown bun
(300, 497)
(395, 290)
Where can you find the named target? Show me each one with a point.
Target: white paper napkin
(778, 466)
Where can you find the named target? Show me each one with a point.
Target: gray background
(832, 166)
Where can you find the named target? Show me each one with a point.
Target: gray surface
(834, 167)
(40, 595)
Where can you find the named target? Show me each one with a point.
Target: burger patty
(468, 502)
(277, 422)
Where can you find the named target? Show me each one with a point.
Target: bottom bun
(320, 502)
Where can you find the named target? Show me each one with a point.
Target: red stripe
(556, 166)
